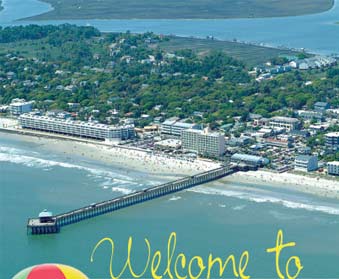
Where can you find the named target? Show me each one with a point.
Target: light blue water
(316, 32)
(216, 218)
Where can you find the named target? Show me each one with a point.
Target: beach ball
(50, 271)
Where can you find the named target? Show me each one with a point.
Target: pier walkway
(54, 223)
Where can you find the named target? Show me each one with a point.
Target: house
(294, 64)
(310, 115)
(321, 106)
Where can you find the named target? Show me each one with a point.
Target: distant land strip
(178, 9)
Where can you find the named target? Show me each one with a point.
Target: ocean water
(316, 33)
(218, 218)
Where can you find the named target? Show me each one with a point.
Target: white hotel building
(77, 128)
(203, 142)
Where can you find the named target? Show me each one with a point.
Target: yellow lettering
(242, 267)
(222, 267)
(277, 250)
(298, 265)
(130, 241)
(170, 253)
(183, 264)
(128, 261)
(154, 268)
(196, 266)
(200, 264)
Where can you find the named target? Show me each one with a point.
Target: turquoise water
(316, 32)
(217, 218)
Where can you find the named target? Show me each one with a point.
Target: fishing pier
(48, 224)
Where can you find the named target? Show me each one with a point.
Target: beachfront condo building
(288, 123)
(332, 141)
(306, 163)
(173, 127)
(333, 168)
(77, 128)
(203, 142)
(20, 106)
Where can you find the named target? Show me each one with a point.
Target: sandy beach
(164, 166)
(122, 157)
(325, 187)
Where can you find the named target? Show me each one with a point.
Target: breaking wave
(174, 198)
(22, 157)
(239, 207)
(122, 190)
(266, 199)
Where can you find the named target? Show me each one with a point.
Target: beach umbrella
(50, 271)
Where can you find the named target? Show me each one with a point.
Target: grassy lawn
(178, 9)
(249, 54)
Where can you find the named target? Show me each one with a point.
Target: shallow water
(216, 218)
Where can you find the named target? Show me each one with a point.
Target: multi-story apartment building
(288, 123)
(20, 106)
(332, 140)
(203, 142)
(174, 127)
(333, 168)
(77, 128)
(306, 163)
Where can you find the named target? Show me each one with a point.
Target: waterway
(317, 32)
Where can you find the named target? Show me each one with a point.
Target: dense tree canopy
(131, 74)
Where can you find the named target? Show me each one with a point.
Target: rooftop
(321, 104)
(333, 134)
(45, 213)
(68, 121)
(206, 132)
(285, 119)
(304, 158)
(252, 158)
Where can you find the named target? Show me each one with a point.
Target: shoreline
(318, 186)
(165, 167)
(119, 156)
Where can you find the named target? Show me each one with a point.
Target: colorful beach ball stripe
(50, 271)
